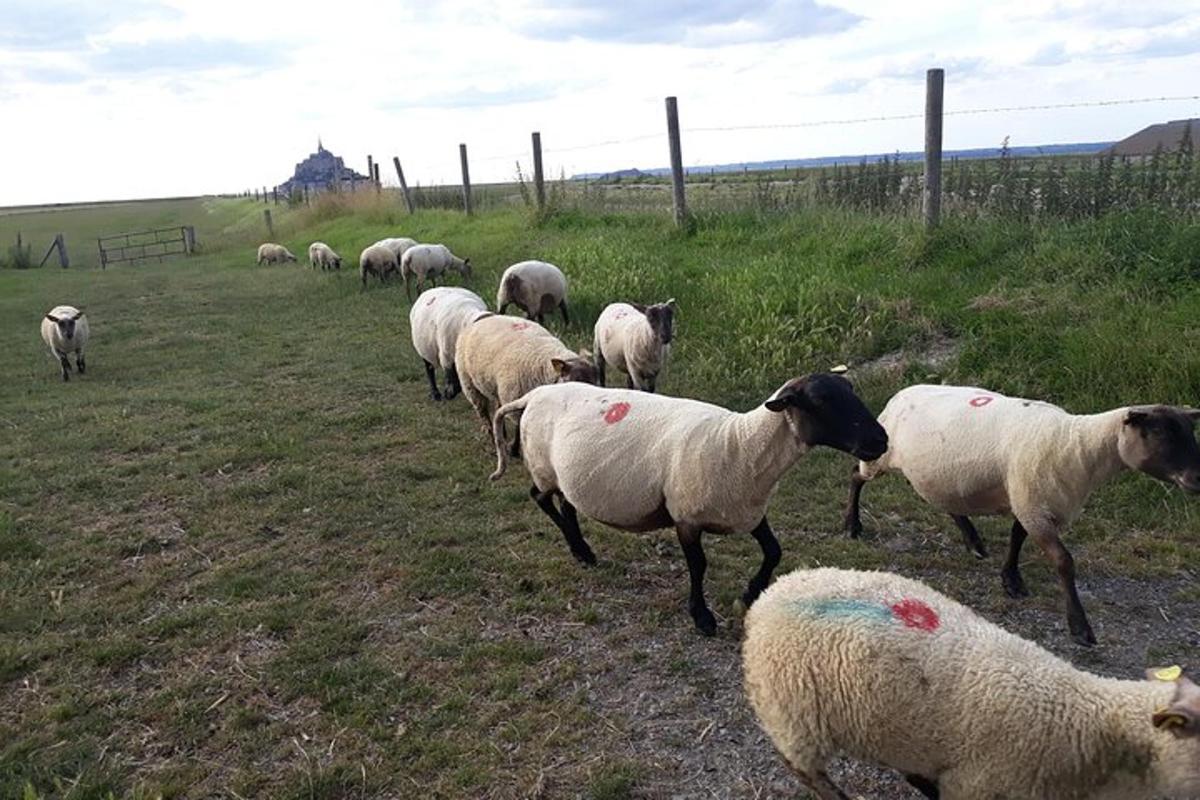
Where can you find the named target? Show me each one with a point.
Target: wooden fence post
(403, 184)
(676, 162)
(375, 178)
(275, 195)
(103, 255)
(59, 244)
(370, 168)
(539, 180)
(270, 227)
(932, 197)
(466, 179)
(189, 239)
(256, 195)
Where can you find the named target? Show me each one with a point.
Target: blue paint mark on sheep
(836, 608)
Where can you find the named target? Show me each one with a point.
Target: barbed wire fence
(1066, 185)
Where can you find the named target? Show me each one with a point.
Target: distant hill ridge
(1080, 148)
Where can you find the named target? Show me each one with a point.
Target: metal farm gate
(141, 245)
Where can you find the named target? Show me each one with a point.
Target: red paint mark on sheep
(980, 401)
(915, 614)
(615, 413)
(520, 326)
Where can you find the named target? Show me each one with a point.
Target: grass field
(245, 555)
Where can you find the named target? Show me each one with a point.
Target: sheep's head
(1182, 715)
(580, 368)
(661, 317)
(66, 325)
(464, 267)
(289, 257)
(1159, 441)
(824, 410)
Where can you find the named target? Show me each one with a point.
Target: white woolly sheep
(323, 256)
(397, 245)
(635, 339)
(271, 253)
(500, 358)
(535, 287)
(429, 261)
(971, 451)
(436, 319)
(884, 669)
(640, 462)
(377, 260)
(65, 331)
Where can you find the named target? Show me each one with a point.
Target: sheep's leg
(689, 540)
(924, 786)
(818, 782)
(434, 394)
(66, 365)
(79, 363)
(852, 523)
(970, 535)
(567, 522)
(453, 387)
(1047, 538)
(562, 306)
(1014, 584)
(408, 287)
(629, 382)
(771, 553)
(515, 450)
(649, 383)
(599, 362)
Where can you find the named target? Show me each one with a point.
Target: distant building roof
(1147, 140)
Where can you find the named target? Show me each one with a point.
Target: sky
(153, 98)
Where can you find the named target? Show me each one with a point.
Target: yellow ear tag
(839, 369)
(1168, 673)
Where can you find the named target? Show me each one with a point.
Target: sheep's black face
(834, 416)
(579, 369)
(1159, 441)
(66, 327)
(662, 320)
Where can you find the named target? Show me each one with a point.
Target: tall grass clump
(19, 255)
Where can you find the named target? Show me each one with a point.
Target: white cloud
(144, 97)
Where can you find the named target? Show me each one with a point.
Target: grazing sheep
(271, 253)
(640, 462)
(500, 358)
(884, 669)
(398, 245)
(536, 287)
(970, 451)
(636, 339)
(377, 260)
(65, 330)
(322, 255)
(430, 261)
(437, 318)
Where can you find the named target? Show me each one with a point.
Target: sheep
(271, 253)
(881, 668)
(536, 287)
(971, 451)
(641, 462)
(437, 318)
(500, 358)
(636, 339)
(322, 255)
(423, 261)
(397, 245)
(65, 330)
(377, 260)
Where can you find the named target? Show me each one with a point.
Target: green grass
(245, 554)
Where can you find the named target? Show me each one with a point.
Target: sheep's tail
(514, 407)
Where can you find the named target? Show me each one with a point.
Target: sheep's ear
(52, 318)
(640, 307)
(78, 314)
(788, 395)
(1182, 716)
(1135, 417)
(671, 303)
(560, 366)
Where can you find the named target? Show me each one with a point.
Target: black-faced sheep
(535, 287)
(636, 339)
(65, 331)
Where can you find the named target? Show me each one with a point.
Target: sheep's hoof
(585, 556)
(1084, 638)
(435, 396)
(706, 623)
(1014, 586)
(853, 529)
(450, 394)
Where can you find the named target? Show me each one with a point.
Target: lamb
(636, 339)
(884, 669)
(322, 255)
(536, 287)
(971, 451)
(65, 330)
(430, 261)
(377, 260)
(437, 318)
(500, 358)
(271, 253)
(642, 462)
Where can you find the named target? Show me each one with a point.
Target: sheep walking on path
(437, 318)
(641, 462)
(535, 287)
(65, 331)
(970, 451)
(635, 339)
(883, 669)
